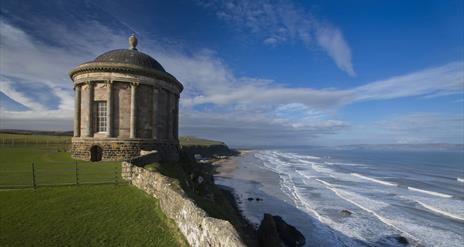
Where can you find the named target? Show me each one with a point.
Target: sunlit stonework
(125, 102)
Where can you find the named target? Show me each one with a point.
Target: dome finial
(132, 42)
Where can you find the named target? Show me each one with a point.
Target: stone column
(169, 114)
(133, 108)
(162, 115)
(77, 111)
(155, 114)
(109, 109)
(176, 118)
(90, 110)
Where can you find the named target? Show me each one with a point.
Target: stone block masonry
(122, 149)
(199, 229)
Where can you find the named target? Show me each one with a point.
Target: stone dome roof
(127, 61)
(129, 56)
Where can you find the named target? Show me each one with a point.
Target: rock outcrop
(288, 233)
(208, 151)
(275, 232)
(267, 232)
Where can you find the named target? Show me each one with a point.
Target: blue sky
(255, 72)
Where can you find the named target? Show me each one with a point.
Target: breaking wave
(433, 193)
(440, 211)
(374, 180)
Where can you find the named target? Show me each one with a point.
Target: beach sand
(226, 167)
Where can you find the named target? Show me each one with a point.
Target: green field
(61, 213)
(96, 215)
(53, 166)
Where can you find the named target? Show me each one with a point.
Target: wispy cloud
(276, 22)
(215, 102)
(419, 127)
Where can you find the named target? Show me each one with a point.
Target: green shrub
(152, 167)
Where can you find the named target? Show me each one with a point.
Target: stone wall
(122, 149)
(198, 228)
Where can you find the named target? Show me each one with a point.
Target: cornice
(125, 68)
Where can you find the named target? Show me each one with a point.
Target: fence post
(77, 174)
(115, 175)
(33, 176)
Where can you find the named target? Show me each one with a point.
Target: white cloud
(419, 127)
(331, 39)
(216, 103)
(281, 21)
(19, 97)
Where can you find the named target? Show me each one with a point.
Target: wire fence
(59, 174)
(26, 141)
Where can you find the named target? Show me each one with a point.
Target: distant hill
(195, 141)
(36, 132)
(406, 147)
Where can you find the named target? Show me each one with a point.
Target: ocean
(356, 197)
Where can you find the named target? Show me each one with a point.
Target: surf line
(440, 211)
(373, 179)
(433, 193)
(385, 221)
(460, 180)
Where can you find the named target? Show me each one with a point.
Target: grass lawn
(9, 138)
(52, 166)
(84, 215)
(90, 215)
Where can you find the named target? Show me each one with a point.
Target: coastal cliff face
(198, 228)
(208, 151)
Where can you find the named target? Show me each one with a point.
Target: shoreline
(224, 168)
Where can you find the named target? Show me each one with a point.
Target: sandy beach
(225, 167)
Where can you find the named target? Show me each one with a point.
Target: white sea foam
(433, 193)
(442, 212)
(346, 196)
(292, 170)
(324, 182)
(344, 164)
(374, 180)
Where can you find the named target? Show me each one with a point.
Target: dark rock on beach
(345, 213)
(402, 240)
(288, 233)
(267, 232)
(274, 231)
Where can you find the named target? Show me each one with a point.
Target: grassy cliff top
(195, 141)
(36, 136)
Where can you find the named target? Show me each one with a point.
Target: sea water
(383, 194)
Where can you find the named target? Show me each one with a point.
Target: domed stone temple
(125, 102)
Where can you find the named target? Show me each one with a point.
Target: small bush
(152, 167)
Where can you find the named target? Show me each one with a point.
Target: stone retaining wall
(199, 229)
(122, 149)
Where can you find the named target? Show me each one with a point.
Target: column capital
(134, 83)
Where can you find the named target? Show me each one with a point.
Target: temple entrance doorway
(96, 153)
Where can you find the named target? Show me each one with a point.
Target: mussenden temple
(125, 102)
